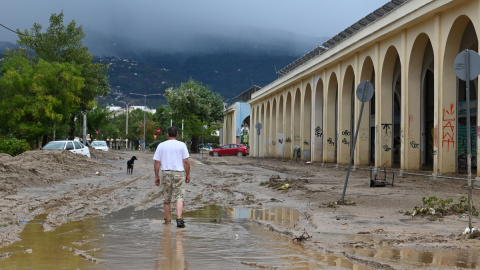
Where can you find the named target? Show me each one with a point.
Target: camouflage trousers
(173, 186)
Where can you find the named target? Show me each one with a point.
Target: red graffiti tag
(448, 128)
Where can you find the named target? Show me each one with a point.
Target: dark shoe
(180, 223)
(167, 222)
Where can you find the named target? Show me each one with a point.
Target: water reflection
(172, 256)
(445, 257)
(282, 216)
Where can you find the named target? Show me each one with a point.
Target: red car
(230, 150)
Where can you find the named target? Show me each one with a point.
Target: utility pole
(144, 108)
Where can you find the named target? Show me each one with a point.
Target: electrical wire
(16, 32)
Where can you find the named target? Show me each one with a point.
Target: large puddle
(215, 238)
(443, 258)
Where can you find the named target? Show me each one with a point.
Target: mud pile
(45, 168)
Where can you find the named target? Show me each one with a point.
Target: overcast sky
(315, 18)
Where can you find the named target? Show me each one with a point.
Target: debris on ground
(303, 237)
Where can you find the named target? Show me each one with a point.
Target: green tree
(63, 44)
(198, 106)
(163, 116)
(36, 94)
(137, 123)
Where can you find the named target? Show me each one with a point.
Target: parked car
(230, 149)
(207, 149)
(72, 146)
(100, 145)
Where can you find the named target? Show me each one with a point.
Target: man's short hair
(172, 131)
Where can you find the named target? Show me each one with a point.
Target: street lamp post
(145, 95)
(126, 124)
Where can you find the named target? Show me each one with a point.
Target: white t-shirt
(171, 154)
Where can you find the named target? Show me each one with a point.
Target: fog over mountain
(229, 62)
(251, 40)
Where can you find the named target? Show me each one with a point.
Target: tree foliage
(36, 95)
(13, 146)
(63, 45)
(197, 106)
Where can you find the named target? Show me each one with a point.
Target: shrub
(441, 207)
(14, 146)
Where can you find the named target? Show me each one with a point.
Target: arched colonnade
(416, 119)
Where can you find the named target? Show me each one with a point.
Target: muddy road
(371, 230)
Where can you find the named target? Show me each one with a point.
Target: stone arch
(281, 127)
(418, 136)
(297, 116)
(266, 130)
(307, 123)
(318, 124)
(261, 149)
(287, 150)
(253, 138)
(388, 98)
(273, 129)
(347, 120)
(331, 116)
(453, 126)
(366, 135)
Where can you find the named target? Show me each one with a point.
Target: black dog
(130, 165)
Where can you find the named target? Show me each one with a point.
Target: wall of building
(416, 120)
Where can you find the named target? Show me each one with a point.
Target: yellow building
(417, 117)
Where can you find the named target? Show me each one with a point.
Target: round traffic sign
(365, 91)
(461, 68)
(159, 130)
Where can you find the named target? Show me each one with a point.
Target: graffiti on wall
(387, 138)
(414, 144)
(330, 141)
(347, 134)
(318, 132)
(386, 127)
(448, 128)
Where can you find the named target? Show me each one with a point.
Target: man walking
(172, 156)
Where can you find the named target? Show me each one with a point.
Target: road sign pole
(469, 146)
(366, 93)
(258, 145)
(258, 126)
(467, 67)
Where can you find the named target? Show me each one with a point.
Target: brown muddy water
(215, 238)
(443, 258)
